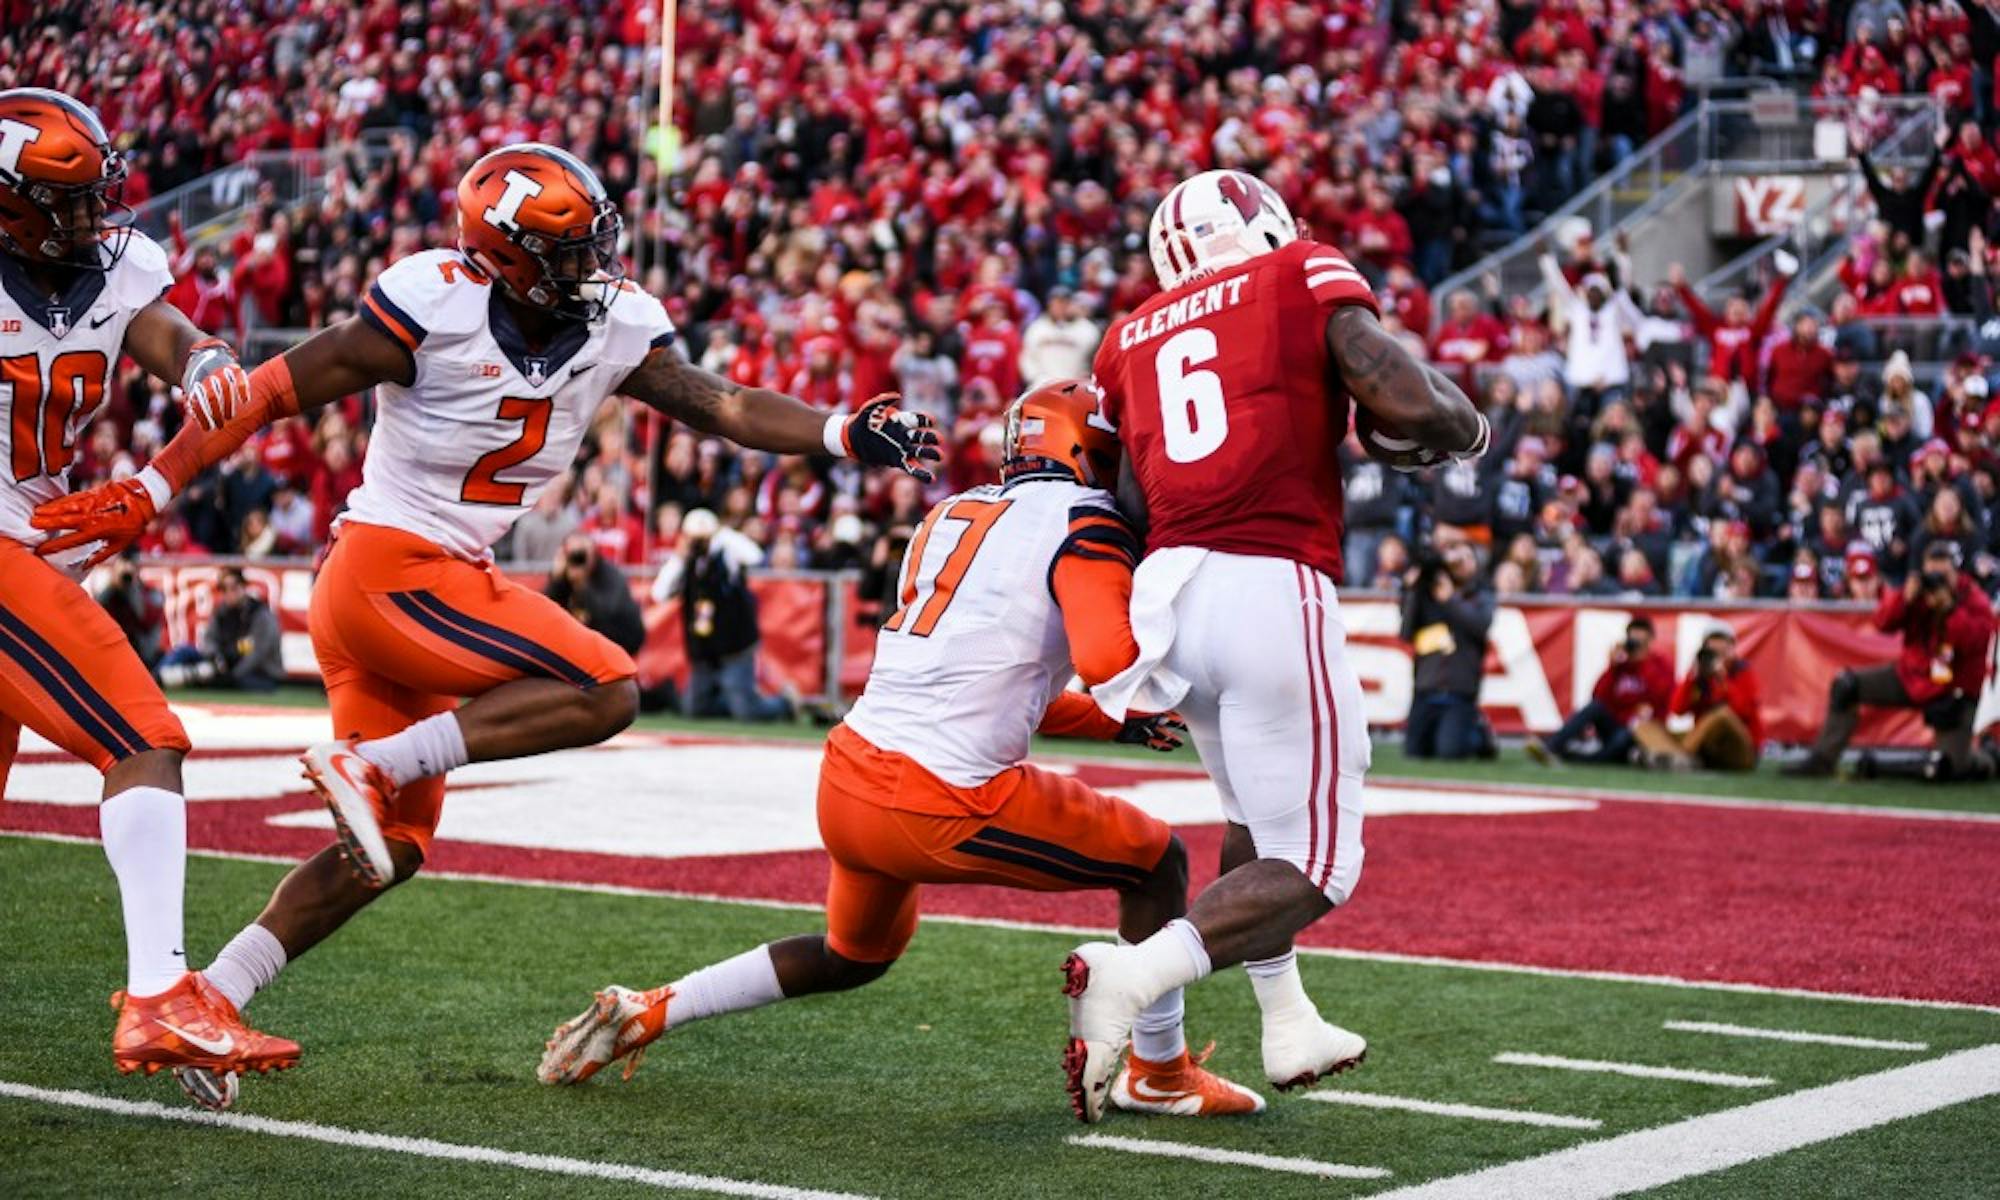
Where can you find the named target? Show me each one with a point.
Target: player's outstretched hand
(1156, 731)
(112, 513)
(215, 387)
(883, 435)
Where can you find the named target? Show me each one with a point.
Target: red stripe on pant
(1312, 692)
(1332, 793)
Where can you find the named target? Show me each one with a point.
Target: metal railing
(1931, 342)
(283, 178)
(1771, 133)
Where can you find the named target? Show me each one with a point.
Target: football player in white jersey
(1007, 590)
(490, 361)
(76, 292)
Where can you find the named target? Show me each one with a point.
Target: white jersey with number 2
(463, 450)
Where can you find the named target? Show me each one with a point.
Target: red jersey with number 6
(1230, 408)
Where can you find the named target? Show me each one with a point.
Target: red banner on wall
(1543, 659)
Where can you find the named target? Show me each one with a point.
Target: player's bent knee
(1846, 690)
(613, 707)
(1170, 874)
(844, 973)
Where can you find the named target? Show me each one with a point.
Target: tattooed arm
(1387, 380)
(762, 419)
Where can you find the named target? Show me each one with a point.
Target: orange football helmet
(1056, 429)
(60, 181)
(538, 220)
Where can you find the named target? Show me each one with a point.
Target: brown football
(1388, 445)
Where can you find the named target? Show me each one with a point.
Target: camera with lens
(1934, 581)
(578, 556)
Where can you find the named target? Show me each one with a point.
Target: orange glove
(113, 513)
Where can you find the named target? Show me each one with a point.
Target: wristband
(834, 436)
(1481, 441)
(156, 486)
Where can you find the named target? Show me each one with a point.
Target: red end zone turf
(1874, 904)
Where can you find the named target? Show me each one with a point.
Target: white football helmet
(1215, 220)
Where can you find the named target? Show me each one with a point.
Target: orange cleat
(355, 792)
(619, 1022)
(1181, 1088)
(191, 1024)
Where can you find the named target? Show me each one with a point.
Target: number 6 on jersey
(1193, 418)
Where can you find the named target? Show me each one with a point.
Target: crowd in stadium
(950, 201)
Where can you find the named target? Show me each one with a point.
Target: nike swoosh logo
(212, 1045)
(339, 764)
(97, 321)
(576, 371)
(1141, 1090)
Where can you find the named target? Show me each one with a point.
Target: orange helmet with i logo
(60, 181)
(1056, 428)
(535, 218)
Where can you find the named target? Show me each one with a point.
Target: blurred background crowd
(950, 201)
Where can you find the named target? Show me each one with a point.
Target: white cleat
(208, 1089)
(355, 791)
(619, 1022)
(1102, 1010)
(1298, 1053)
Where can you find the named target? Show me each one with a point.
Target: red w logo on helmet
(1243, 192)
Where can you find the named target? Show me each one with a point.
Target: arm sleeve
(1075, 714)
(1091, 581)
(1768, 311)
(194, 449)
(1703, 316)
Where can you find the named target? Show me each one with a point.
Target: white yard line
(1792, 1035)
(1234, 1158)
(676, 1181)
(1382, 956)
(1637, 1070)
(1470, 1112)
(1651, 1158)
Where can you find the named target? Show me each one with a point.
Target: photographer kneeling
(1720, 692)
(1447, 612)
(1947, 627)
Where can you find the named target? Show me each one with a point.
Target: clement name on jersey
(1231, 409)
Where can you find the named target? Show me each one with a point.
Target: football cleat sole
(1088, 1066)
(1309, 1078)
(215, 1091)
(355, 826)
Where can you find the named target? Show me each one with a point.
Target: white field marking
(1652, 1158)
(1097, 931)
(1234, 1158)
(1637, 1070)
(1470, 1112)
(677, 1181)
(1792, 1035)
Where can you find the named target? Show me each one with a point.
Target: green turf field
(425, 1019)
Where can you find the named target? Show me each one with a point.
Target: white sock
(145, 837)
(1157, 1035)
(1170, 959)
(750, 980)
(1281, 993)
(430, 747)
(247, 965)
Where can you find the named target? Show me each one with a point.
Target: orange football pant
(891, 825)
(67, 672)
(403, 630)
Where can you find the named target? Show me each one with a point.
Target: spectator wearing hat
(1595, 320)
(1899, 386)
(1946, 624)
(1860, 578)
(1059, 343)
(1637, 684)
(1721, 692)
(1804, 585)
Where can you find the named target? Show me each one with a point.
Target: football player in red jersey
(1231, 391)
